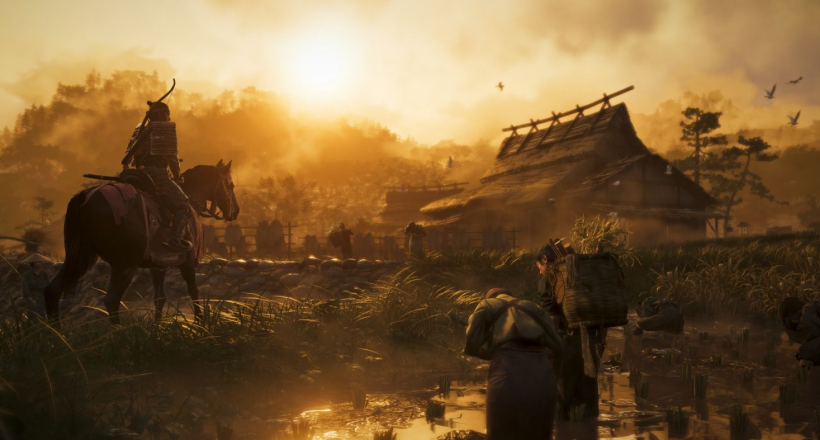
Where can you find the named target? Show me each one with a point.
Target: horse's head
(224, 196)
(214, 184)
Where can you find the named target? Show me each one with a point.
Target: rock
(219, 262)
(327, 264)
(205, 291)
(251, 264)
(271, 287)
(266, 265)
(258, 280)
(311, 261)
(335, 272)
(236, 263)
(349, 264)
(290, 279)
(250, 288)
(307, 292)
(219, 292)
(364, 264)
(310, 279)
(279, 273)
(310, 269)
(357, 281)
(216, 279)
(235, 272)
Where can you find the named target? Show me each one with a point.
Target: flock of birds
(770, 95)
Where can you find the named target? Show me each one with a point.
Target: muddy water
(722, 355)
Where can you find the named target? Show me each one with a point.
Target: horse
(120, 234)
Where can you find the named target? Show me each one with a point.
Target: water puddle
(747, 372)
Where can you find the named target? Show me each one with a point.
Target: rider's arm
(173, 164)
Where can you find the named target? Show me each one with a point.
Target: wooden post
(290, 240)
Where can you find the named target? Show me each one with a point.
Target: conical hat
(788, 307)
(36, 258)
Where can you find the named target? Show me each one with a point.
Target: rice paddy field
(389, 357)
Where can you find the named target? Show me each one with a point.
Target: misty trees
(697, 134)
(43, 206)
(730, 173)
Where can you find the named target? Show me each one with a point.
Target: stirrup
(178, 244)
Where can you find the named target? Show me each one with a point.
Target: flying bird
(770, 94)
(795, 81)
(500, 86)
(793, 120)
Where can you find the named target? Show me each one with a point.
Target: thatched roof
(564, 160)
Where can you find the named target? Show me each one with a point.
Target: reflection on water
(738, 373)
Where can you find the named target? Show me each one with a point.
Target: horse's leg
(120, 280)
(52, 293)
(158, 276)
(188, 272)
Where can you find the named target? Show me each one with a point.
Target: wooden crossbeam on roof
(556, 117)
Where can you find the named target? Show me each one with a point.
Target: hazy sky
(427, 69)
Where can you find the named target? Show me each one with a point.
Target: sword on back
(130, 151)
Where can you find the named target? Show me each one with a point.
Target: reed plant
(435, 411)
(387, 434)
(738, 420)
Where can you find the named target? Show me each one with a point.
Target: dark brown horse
(94, 227)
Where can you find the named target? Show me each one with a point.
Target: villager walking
(34, 282)
(519, 339)
(339, 237)
(583, 346)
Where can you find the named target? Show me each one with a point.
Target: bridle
(211, 211)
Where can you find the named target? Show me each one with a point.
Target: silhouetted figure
(659, 315)
(518, 338)
(340, 238)
(416, 234)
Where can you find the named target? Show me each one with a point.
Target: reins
(211, 211)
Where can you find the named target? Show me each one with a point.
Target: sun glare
(320, 68)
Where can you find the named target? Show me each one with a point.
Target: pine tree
(697, 134)
(730, 173)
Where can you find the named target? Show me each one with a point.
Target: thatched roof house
(594, 164)
(403, 204)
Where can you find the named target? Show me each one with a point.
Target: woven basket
(595, 294)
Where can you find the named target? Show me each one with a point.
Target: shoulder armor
(162, 138)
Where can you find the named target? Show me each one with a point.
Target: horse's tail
(78, 258)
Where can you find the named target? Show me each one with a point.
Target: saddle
(122, 197)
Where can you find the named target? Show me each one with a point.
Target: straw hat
(785, 311)
(36, 258)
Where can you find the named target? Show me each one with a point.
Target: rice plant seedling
(699, 385)
(703, 336)
(716, 361)
(744, 334)
(787, 393)
(772, 343)
(732, 331)
(642, 390)
(735, 354)
(770, 360)
(385, 435)
(693, 351)
(617, 357)
(686, 370)
(434, 411)
(358, 399)
(803, 375)
(301, 429)
(669, 358)
(738, 420)
(444, 385)
(678, 422)
(576, 413)
(747, 375)
(727, 344)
